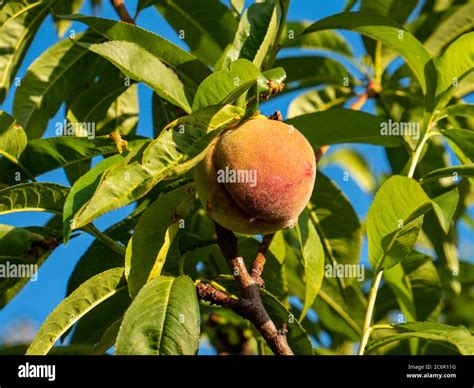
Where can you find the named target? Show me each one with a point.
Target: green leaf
(341, 312)
(70, 310)
(153, 236)
(458, 22)
(51, 80)
(444, 206)
(43, 155)
(65, 7)
(301, 71)
(237, 6)
(163, 319)
(225, 86)
(391, 8)
(19, 22)
(36, 197)
(390, 33)
(83, 189)
(178, 148)
(88, 265)
(12, 137)
(454, 65)
(343, 126)
(417, 287)
(454, 172)
(321, 40)
(189, 69)
(337, 223)
(297, 337)
(25, 247)
(207, 29)
(462, 142)
(101, 106)
(465, 87)
(95, 323)
(75, 171)
(163, 113)
(313, 259)
(256, 32)
(353, 163)
(394, 220)
(318, 100)
(462, 110)
(458, 338)
(142, 66)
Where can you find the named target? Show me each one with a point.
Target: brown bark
(121, 11)
(249, 305)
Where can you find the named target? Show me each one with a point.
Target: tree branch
(260, 259)
(250, 304)
(212, 295)
(121, 11)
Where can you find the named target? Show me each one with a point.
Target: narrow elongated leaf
(458, 338)
(88, 265)
(297, 337)
(190, 69)
(100, 106)
(318, 100)
(207, 29)
(225, 86)
(163, 319)
(237, 6)
(164, 113)
(51, 80)
(95, 323)
(355, 164)
(343, 126)
(321, 40)
(12, 137)
(337, 222)
(454, 65)
(19, 22)
(24, 249)
(394, 220)
(65, 7)
(454, 172)
(444, 206)
(462, 142)
(256, 32)
(153, 236)
(389, 32)
(140, 65)
(313, 259)
(36, 197)
(460, 21)
(341, 312)
(417, 287)
(43, 155)
(81, 301)
(83, 189)
(178, 148)
(391, 8)
(301, 71)
(463, 110)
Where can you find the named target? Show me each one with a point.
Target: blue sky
(33, 304)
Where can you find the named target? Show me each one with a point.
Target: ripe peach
(257, 178)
